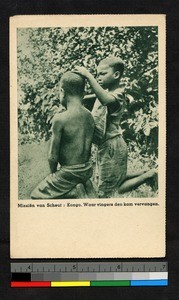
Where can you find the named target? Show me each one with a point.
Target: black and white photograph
(87, 112)
(88, 130)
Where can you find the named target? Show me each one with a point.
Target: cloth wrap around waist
(57, 184)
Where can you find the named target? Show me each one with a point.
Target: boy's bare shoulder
(89, 116)
(60, 115)
(59, 118)
(87, 112)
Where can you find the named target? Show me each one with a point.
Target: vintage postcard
(88, 136)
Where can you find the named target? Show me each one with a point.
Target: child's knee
(34, 194)
(77, 192)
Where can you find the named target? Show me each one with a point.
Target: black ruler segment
(21, 277)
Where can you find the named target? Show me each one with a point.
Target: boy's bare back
(77, 134)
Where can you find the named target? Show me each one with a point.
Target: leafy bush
(45, 53)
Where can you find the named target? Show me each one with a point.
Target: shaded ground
(33, 167)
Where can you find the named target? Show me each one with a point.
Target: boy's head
(71, 84)
(109, 71)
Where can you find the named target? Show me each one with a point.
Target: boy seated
(72, 133)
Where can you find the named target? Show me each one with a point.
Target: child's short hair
(72, 83)
(114, 62)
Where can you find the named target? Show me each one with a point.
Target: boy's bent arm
(53, 157)
(88, 101)
(104, 97)
(89, 97)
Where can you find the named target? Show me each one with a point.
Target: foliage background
(43, 54)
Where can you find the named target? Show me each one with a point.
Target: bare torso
(77, 135)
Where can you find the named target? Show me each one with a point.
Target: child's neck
(113, 87)
(73, 102)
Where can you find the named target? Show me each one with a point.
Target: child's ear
(62, 92)
(117, 75)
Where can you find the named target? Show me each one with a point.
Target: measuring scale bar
(89, 274)
(56, 276)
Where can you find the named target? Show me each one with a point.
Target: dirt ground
(33, 167)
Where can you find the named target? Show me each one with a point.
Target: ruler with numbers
(63, 274)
